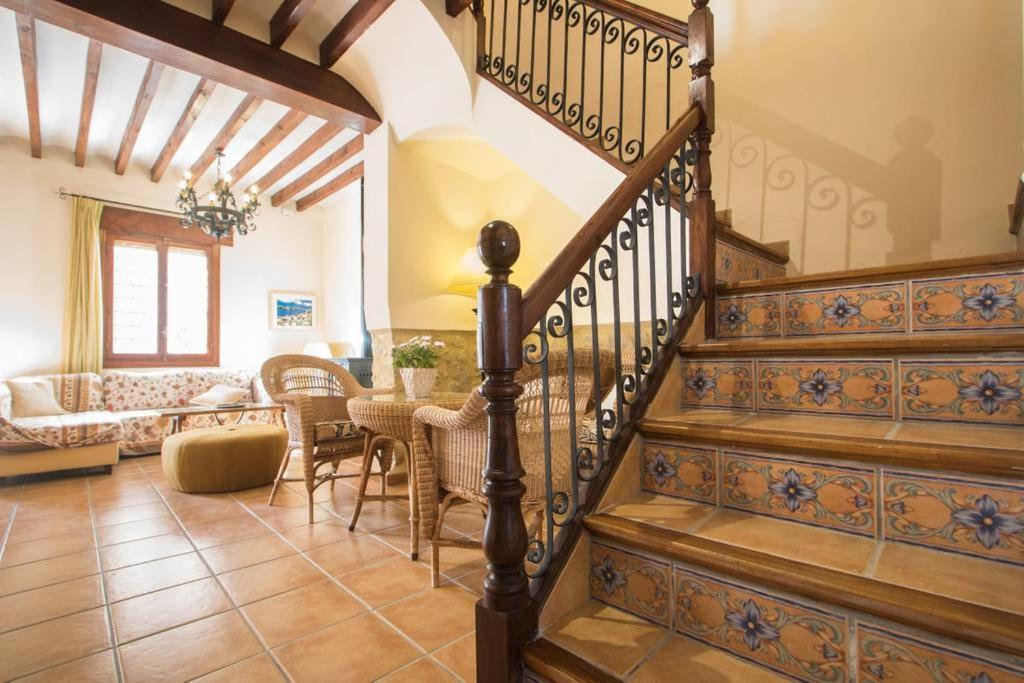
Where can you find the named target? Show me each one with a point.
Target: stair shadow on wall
(835, 205)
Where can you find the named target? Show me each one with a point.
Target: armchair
(451, 445)
(314, 393)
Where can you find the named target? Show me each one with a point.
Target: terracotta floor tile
(146, 614)
(131, 513)
(125, 498)
(465, 519)
(45, 572)
(189, 651)
(802, 542)
(342, 506)
(377, 516)
(228, 531)
(152, 576)
(460, 657)
(388, 581)
(258, 669)
(260, 581)
(212, 514)
(289, 518)
(457, 562)
(53, 642)
(423, 670)
(253, 494)
(45, 548)
(230, 556)
(284, 499)
(435, 617)
(701, 663)
(663, 511)
(354, 553)
(60, 599)
(372, 649)
(24, 529)
(971, 579)
(316, 535)
(614, 640)
(134, 531)
(473, 581)
(301, 611)
(144, 550)
(96, 668)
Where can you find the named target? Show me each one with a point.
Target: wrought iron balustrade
(610, 72)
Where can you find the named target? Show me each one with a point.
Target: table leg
(414, 507)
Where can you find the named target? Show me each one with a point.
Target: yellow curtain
(83, 313)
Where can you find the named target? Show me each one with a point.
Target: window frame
(164, 233)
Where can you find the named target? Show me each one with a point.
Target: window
(160, 292)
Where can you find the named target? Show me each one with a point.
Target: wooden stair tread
(837, 344)
(560, 665)
(977, 449)
(776, 252)
(978, 264)
(782, 559)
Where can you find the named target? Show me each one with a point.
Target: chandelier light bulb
(222, 216)
(183, 184)
(188, 175)
(212, 197)
(253, 190)
(227, 179)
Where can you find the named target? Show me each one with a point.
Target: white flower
(439, 344)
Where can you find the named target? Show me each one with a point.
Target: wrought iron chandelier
(221, 215)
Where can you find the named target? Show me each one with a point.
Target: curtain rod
(64, 194)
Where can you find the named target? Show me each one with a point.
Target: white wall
(284, 253)
(341, 269)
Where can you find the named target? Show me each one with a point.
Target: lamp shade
(469, 274)
(319, 349)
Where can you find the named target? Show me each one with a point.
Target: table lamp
(320, 349)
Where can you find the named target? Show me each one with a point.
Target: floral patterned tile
(965, 516)
(863, 388)
(722, 384)
(847, 310)
(989, 392)
(985, 302)
(837, 497)
(749, 316)
(734, 264)
(887, 655)
(790, 637)
(679, 471)
(631, 582)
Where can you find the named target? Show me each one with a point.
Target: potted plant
(416, 361)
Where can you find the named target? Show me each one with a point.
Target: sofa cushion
(70, 429)
(75, 392)
(126, 390)
(144, 430)
(204, 380)
(33, 398)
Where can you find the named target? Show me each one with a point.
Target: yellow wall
(903, 119)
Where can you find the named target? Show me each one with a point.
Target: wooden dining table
(389, 417)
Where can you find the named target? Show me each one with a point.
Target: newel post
(506, 617)
(702, 212)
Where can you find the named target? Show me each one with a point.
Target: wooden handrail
(1017, 208)
(561, 271)
(659, 23)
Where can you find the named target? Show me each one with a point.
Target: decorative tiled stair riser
(966, 515)
(734, 264)
(960, 390)
(792, 636)
(989, 302)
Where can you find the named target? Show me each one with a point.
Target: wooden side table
(389, 417)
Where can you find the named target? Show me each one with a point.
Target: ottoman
(221, 459)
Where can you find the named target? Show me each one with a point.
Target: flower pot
(419, 382)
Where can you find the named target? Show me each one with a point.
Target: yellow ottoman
(221, 459)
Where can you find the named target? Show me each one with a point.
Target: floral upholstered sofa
(117, 413)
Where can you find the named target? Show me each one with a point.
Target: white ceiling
(61, 74)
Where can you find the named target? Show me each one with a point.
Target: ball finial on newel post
(498, 248)
(699, 4)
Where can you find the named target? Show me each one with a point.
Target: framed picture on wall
(293, 311)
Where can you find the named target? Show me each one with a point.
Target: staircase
(832, 492)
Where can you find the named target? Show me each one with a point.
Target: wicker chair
(314, 393)
(451, 445)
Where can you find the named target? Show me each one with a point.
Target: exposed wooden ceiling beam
(286, 18)
(92, 75)
(186, 41)
(321, 193)
(242, 113)
(30, 73)
(145, 98)
(272, 139)
(221, 9)
(333, 161)
(311, 144)
(351, 26)
(188, 117)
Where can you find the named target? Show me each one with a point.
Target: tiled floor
(118, 577)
